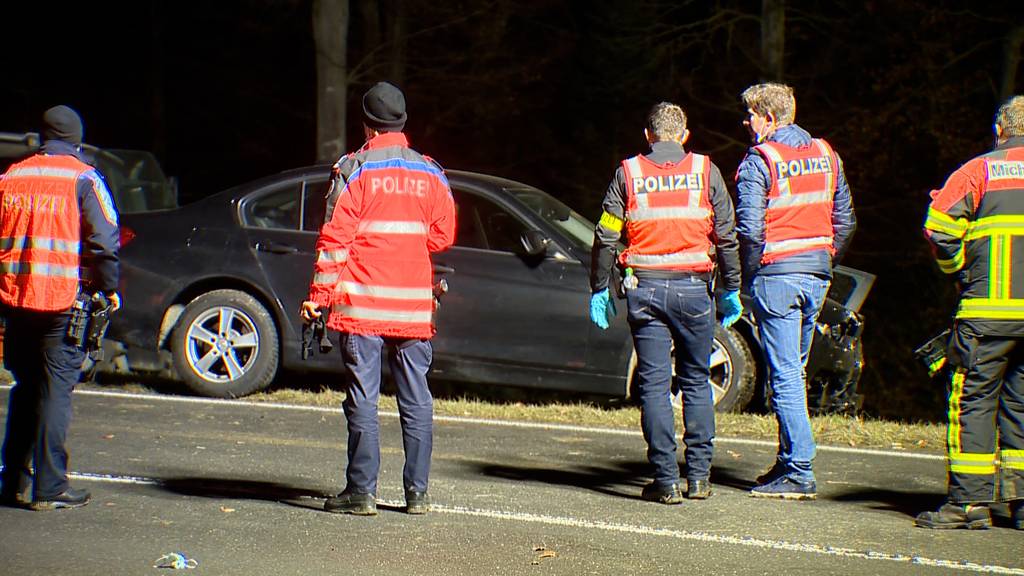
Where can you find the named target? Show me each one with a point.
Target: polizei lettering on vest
(804, 166)
(668, 183)
(398, 185)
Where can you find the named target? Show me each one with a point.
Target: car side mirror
(535, 242)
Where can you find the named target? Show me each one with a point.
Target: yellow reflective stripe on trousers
(954, 265)
(940, 222)
(968, 463)
(999, 267)
(953, 428)
(1013, 459)
(992, 308)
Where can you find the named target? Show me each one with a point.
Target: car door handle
(442, 269)
(276, 248)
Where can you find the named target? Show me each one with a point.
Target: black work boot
(698, 489)
(352, 503)
(1017, 514)
(70, 498)
(665, 494)
(417, 502)
(951, 515)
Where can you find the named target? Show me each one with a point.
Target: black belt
(672, 275)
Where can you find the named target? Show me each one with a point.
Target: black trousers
(986, 402)
(46, 368)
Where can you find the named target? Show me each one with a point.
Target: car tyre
(225, 345)
(733, 373)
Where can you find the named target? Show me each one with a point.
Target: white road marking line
(489, 422)
(649, 531)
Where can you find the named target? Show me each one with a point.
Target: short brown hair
(771, 97)
(666, 121)
(1010, 117)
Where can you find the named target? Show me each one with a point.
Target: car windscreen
(576, 228)
(135, 179)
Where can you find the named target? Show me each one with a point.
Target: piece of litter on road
(108, 436)
(734, 454)
(177, 561)
(542, 553)
(226, 509)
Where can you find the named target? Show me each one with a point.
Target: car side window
(486, 225)
(278, 209)
(314, 204)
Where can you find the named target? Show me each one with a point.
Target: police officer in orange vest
(678, 219)
(794, 218)
(389, 207)
(56, 216)
(975, 225)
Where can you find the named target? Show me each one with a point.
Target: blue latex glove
(602, 308)
(731, 307)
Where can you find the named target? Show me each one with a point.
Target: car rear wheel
(225, 345)
(733, 372)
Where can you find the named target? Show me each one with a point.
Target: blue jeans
(786, 307)
(409, 361)
(663, 313)
(46, 368)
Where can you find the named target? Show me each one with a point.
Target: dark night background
(554, 93)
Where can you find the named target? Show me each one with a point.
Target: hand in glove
(731, 308)
(602, 309)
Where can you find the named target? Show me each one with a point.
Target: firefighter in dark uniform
(679, 221)
(975, 224)
(56, 215)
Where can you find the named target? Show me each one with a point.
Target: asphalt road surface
(239, 488)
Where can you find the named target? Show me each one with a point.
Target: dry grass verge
(828, 430)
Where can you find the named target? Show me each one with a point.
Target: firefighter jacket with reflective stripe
(975, 224)
(388, 208)
(794, 214)
(798, 217)
(677, 215)
(57, 215)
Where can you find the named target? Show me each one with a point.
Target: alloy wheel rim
(222, 344)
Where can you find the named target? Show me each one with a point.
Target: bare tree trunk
(1011, 61)
(397, 37)
(330, 36)
(773, 38)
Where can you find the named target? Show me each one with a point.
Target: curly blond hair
(771, 97)
(1010, 117)
(666, 121)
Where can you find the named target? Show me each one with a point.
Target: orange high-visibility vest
(668, 214)
(799, 213)
(40, 232)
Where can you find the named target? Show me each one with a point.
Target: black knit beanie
(62, 123)
(384, 108)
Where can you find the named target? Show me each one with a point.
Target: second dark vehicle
(215, 286)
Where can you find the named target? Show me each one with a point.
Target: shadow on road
(235, 488)
(903, 501)
(623, 481)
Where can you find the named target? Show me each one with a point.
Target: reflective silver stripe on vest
(669, 213)
(387, 291)
(634, 171)
(51, 244)
(36, 269)
(698, 168)
(361, 313)
(775, 158)
(799, 199)
(667, 259)
(325, 278)
(41, 171)
(393, 227)
(332, 256)
(796, 244)
(830, 184)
